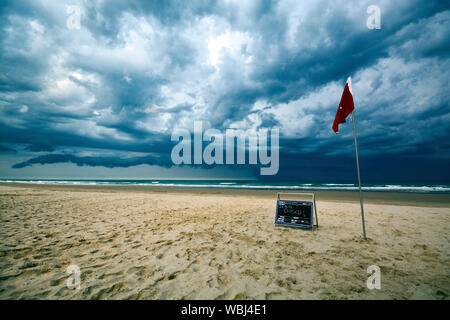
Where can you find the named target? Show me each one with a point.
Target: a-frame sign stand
(313, 198)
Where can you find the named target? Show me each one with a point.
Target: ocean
(239, 184)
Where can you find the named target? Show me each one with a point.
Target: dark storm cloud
(40, 147)
(108, 162)
(341, 48)
(104, 17)
(136, 70)
(55, 138)
(4, 149)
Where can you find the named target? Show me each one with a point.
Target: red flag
(346, 105)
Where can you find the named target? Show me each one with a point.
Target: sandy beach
(162, 243)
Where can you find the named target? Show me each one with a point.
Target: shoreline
(370, 197)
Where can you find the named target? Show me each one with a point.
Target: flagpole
(359, 178)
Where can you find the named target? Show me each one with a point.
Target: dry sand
(193, 244)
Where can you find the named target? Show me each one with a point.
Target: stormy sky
(102, 98)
